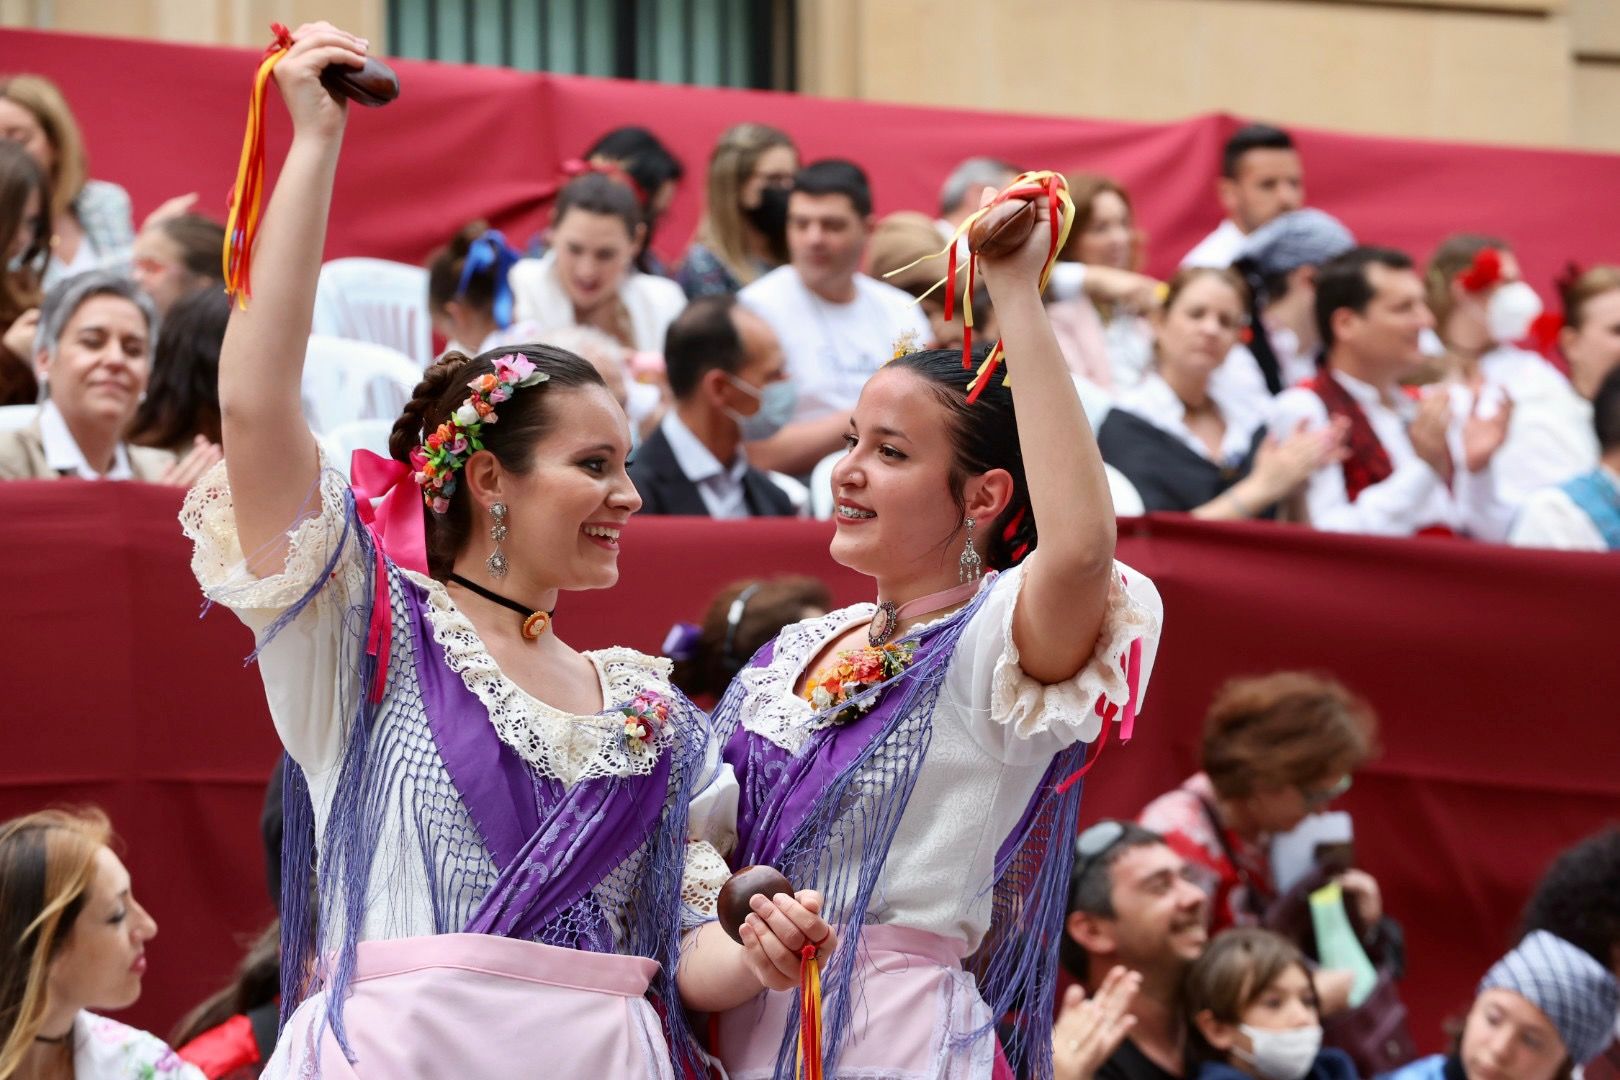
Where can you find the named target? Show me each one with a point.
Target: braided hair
(524, 421)
(985, 437)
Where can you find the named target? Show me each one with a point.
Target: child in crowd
(1252, 1011)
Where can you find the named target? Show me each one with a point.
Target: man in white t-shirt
(836, 325)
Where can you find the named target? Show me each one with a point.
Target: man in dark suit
(729, 379)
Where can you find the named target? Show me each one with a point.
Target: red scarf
(1368, 463)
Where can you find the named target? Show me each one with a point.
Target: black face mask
(770, 216)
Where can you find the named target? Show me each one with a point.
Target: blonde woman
(743, 233)
(72, 938)
(89, 219)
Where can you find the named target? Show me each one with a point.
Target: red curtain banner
(1491, 669)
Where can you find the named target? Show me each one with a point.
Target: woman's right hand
(316, 46)
(1280, 466)
(19, 336)
(778, 928)
(184, 472)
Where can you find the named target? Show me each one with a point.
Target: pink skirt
(914, 1010)
(476, 1005)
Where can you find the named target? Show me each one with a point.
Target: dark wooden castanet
(372, 85)
(740, 888)
(1004, 229)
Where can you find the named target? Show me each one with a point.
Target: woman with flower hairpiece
(913, 761)
(501, 821)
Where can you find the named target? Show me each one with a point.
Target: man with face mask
(1408, 469)
(730, 384)
(837, 326)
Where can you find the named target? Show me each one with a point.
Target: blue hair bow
(491, 252)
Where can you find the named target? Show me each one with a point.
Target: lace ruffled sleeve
(1013, 716)
(303, 662)
(711, 835)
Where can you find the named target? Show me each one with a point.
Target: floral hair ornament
(1483, 272)
(436, 460)
(999, 223)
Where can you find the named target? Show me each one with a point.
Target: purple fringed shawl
(553, 848)
(826, 816)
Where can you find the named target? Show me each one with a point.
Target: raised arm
(1065, 591)
(270, 454)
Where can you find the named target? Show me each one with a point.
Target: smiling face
(896, 518)
(594, 253)
(1387, 338)
(1508, 1038)
(102, 961)
(101, 364)
(567, 512)
(1160, 916)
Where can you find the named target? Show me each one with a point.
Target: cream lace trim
(562, 746)
(1070, 707)
(704, 874)
(771, 709)
(217, 560)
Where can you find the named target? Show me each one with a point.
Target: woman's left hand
(776, 932)
(183, 473)
(1361, 889)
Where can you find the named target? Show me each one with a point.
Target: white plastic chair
(375, 300)
(1127, 500)
(349, 381)
(15, 417)
(797, 493)
(342, 441)
(821, 492)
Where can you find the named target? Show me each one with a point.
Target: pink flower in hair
(441, 505)
(499, 394)
(513, 368)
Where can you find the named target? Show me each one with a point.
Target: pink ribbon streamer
(396, 526)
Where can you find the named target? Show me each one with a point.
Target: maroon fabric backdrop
(467, 142)
(1492, 669)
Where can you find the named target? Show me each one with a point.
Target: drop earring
(971, 567)
(497, 532)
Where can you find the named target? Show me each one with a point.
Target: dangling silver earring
(971, 566)
(497, 532)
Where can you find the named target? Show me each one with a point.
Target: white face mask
(1510, 311)
(1282, 1055)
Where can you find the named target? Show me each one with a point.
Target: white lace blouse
(311, 689)
(996, 731)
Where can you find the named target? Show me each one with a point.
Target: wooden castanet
(371, 85)
(740, 888)
(1004, 229)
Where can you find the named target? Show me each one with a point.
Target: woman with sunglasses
(1276, 749)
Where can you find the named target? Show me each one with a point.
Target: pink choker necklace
(889, 615)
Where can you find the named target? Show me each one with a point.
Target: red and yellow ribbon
(1029, 185)
(242, 223)
(809, 1014)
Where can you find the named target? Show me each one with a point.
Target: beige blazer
(22, 457)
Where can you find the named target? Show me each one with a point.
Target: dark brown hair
(1284, 729)
(1233, 972)
(524, 421)
(20, 175)
(1581, 288)
(985, 436)
(444, 272)
(598, 193)
(200, 240)
(182, 396)
(773, 605)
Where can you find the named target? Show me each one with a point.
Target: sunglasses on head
(1094, 843)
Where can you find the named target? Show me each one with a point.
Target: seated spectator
(959, 195)
(836, 325)
(644, 399)
(176, 256)
(1581, 514)
(1575, 898)
(1280, 260)
(742, 617)
(743, 233)
(90, 223)
(93, 356)
(181, 405)
(726, 373)
(1590, 336)
(470, 292)
(1482, 309)
(1544, 1009)
(653, 173)
(1261, 177)
(1104, 332)
(1131, 906)
(231, 1035)
(1275, 749)
(1179, 444)
(1399, 474)
(587, 278)
(904, 252)
(24, 198)
(74, 939)
(1253, 1013)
